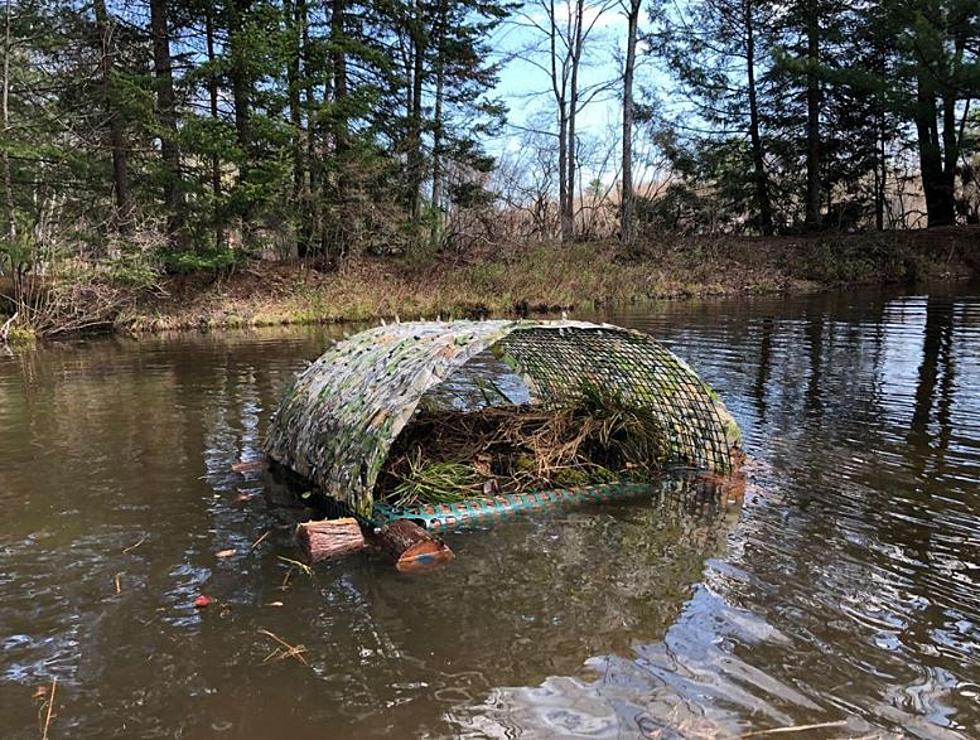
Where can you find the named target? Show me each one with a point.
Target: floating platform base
(495, 508)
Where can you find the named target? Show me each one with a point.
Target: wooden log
(411, 547)
(330, 538)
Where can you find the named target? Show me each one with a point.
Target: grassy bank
(512, 281)
(515, 280)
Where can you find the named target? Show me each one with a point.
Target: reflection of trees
(760, 388)
(814, 342)
(937, 362)
(865, 540)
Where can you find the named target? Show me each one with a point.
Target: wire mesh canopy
(338, 421)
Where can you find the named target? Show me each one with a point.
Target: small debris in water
(129, 549)
(203, 601)
(226, 553)
(50, 703)
(285, 651)
(260, 539)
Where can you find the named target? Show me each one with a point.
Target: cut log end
(411, 547)
(330, 538)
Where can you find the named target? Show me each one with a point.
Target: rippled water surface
(845, 588)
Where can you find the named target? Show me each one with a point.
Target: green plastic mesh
(336, 424)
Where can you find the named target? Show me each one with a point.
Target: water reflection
(847, 589)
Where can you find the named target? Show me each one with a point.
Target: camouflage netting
(337, 423)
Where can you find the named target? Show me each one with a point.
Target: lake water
(844, 589)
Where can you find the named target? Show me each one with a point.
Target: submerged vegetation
(596, 437)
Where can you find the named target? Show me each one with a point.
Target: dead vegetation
(492, 279)
(446, 456)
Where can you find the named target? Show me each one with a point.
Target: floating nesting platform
(337, 425)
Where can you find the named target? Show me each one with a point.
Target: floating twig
(296, 563)
(260, 539)
(118, 583)
(47, 719)
(129, 549)
(795, 728)
(285, 651)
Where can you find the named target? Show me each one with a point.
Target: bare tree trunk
(415, 161)
(219, 232)
(758, 160)
(117, 136)
(437, 154)
(568, 223)
(166, 108)
(293, 95)
(564, 195)
(8, 187)
(812, 117)
(241, 93)
(559, 88)
(293, 52)
(340, 132)
(627, 207)
(311, 217)
(881, 165)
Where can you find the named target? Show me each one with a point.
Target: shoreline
(518, 281)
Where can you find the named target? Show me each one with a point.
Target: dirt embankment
(551, 277)
(513, 280)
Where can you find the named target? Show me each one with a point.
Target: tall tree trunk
(117, 140)
(340, 131)
(627, 207)
(951, 154)
(938, 194)
(219, 232)
(437, 224)
(559, 88)
(758, 160)
(167, 113)
(293, 90)
(415, 159)
(568, 223)
(812, 117)
(8, 187)
(563, 195)
(241, 93)
(881, 169)
(311, 199)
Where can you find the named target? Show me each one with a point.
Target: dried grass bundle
(447, 456)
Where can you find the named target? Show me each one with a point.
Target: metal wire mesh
(641, 370)
(336, 424)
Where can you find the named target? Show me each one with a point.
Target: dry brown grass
(509, 279)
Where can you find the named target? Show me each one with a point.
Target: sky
(525, 88)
